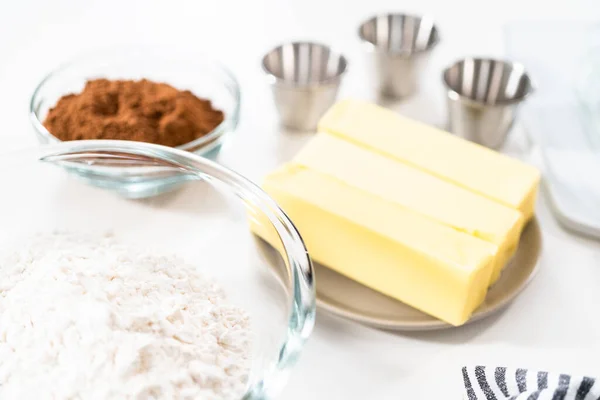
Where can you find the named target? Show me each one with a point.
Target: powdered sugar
(85, 317)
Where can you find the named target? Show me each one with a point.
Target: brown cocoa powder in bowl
(143, 111)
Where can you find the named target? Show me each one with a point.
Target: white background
(552, 325)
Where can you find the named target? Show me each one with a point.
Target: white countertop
(552, 325)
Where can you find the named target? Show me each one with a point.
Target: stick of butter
(474, 167)
(402, 254)
(416, 191)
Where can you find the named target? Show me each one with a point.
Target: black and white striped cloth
(489, 383)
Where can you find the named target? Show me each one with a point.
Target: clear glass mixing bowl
(184, 70)
(206, 221)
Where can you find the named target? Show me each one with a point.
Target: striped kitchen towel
(489, 383)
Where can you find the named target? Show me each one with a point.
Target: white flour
(86, 317)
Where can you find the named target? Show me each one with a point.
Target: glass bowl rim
(203, 144)
(301, 317)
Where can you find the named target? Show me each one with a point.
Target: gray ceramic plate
(351, 300)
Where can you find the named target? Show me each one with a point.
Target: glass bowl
(207, 223)
(183, 70)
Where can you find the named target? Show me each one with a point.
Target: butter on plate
(474, 167)
(417, 191)
(407, 256)
(410, 211)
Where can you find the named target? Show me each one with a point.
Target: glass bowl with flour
(168, 297)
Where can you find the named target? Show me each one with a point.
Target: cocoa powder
(143, 111)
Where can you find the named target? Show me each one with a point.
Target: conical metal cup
(305, 78)
(399, 46)
(483, 97)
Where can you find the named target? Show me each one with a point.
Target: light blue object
(588, 92)
(563, 118)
